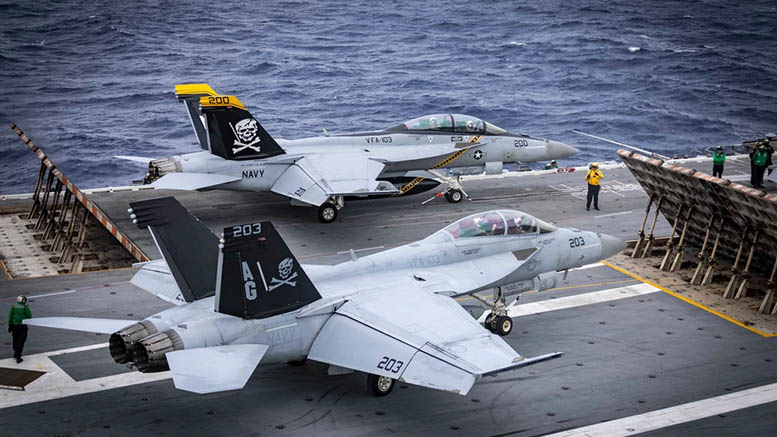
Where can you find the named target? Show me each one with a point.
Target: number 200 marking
(390, 364)
(218, 100)
(246, 230)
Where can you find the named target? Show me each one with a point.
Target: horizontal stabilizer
(142, 159)
(214, 369)
(102, 326)
(192, 181)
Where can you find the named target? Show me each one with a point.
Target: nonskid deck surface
(630, 348)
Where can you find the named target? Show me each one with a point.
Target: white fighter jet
(238, 154)
(244, 299)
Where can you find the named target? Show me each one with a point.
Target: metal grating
(740, 212)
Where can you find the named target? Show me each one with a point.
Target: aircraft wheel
(504, 325)
(454, 196)
(379, 385)
(327, 213)
(297, 363)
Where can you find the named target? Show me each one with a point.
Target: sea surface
(89, 80)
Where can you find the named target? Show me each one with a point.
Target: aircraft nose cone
(611, 245)
(558, 150)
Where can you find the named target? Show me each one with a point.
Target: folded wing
(416, 336)
(314, 178)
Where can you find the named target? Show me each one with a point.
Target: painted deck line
(578, 300)
(56, 383)
(678, 414)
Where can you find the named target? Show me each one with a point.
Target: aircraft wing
(314, 178)
(102, 326)
(405, 332)
(192, 181)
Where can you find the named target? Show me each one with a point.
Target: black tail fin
(188, 246)
(190, 94)
(258, 276)
(233, 133)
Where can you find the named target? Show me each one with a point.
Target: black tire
(454, 196)
(379, 386)
(327, 213)
(297, 363)
(504, 325)
(488, 323)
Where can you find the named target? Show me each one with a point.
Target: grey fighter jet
(325, 171)
(245, 299)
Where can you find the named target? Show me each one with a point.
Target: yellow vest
(594, 176)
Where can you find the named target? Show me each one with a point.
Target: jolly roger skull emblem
(246, 135)
(286, 275)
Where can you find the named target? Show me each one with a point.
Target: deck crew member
(758, 158)
(718, 158)
(552, 165)
(594, 178)
(19, 311)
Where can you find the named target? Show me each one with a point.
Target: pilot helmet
(22, 300)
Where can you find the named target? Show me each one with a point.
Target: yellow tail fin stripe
(221, 101)
(194, 89)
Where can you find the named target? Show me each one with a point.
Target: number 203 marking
(246, 230)
(390, 364)
(576, 242)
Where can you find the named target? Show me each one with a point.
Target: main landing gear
(497, 320)
(327, 212)
(380, 385)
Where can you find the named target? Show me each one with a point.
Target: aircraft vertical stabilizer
(233, 133)
(188, 246)
(190, 95)
(258, 276)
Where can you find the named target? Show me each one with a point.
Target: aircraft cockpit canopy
(449, 123)
(498, 223)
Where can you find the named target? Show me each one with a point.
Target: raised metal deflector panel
(748, 216)
(46, 211)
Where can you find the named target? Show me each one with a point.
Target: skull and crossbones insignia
(286, 275)
(246, 135)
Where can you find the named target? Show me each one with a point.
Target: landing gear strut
(497, 320)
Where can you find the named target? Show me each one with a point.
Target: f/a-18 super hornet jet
(325, 171)
(245, 299)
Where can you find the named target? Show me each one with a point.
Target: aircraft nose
(559, 150)
(611, 245)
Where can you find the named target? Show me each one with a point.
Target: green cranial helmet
(22, 300)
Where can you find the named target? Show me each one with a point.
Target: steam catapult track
(674, 335)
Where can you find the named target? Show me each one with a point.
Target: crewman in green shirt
(718, 158)
(758, 157)
(19, 311)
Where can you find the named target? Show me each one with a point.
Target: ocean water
(89, 80)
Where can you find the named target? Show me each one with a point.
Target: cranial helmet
(720, 147)
(21, 299)
(595, 165)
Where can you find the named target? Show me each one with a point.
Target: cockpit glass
(518, 223)
(479, 225)
(545, 227)
(493, 129)
(431, 122)
(466, 123)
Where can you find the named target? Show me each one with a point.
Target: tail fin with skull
(258, 276)
(233, 133)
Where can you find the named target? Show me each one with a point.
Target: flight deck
(634, 348)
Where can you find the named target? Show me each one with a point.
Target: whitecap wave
(634, 49)
(516, 44)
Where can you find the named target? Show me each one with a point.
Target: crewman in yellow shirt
(594, 178)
